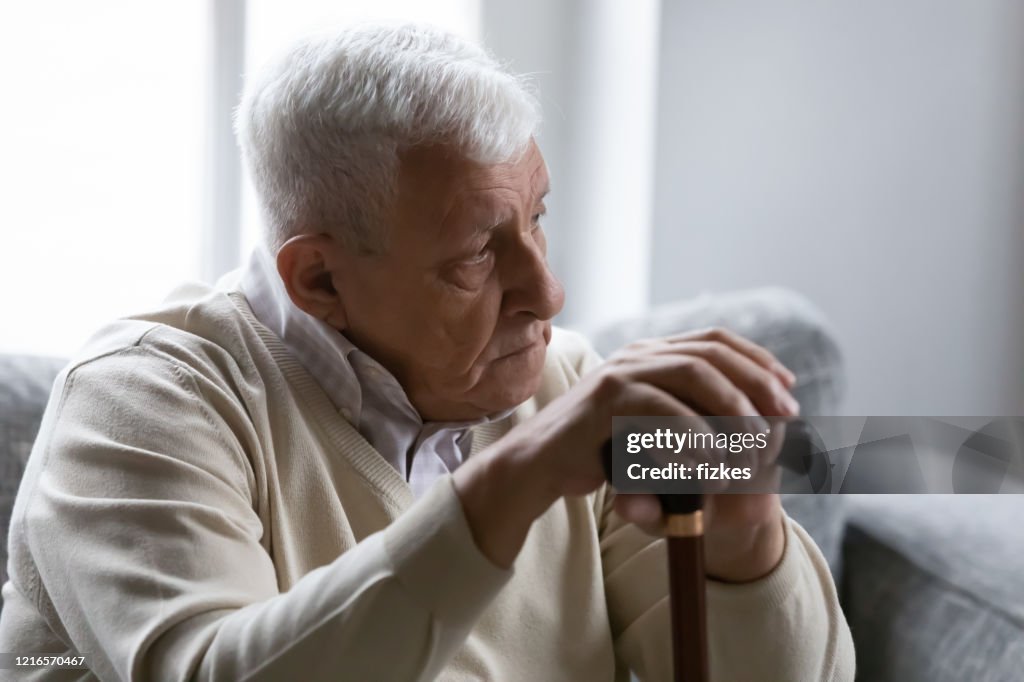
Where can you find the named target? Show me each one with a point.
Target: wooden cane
(684, 530)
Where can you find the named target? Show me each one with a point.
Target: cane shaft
(686, 599)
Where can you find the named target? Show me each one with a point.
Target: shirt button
(347, 414)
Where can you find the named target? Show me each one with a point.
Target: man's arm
(557, 451)
(139, 520)
(780, 617)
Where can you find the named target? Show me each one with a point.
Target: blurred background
(866, 154)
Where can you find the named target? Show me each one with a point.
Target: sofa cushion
(25, 383)
(933, 587)
(782, 321)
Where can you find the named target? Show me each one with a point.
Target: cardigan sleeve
(141, 529)
(785, 626)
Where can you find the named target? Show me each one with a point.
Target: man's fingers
(642, 510)
(757, 353)
(767, 391)
(776, 439)
(647, 399)
(696, 382)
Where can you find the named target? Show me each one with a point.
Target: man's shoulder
(195, 326)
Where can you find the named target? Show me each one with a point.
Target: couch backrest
(25, 383)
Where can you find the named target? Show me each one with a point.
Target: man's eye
(536, 219)
(477, 259)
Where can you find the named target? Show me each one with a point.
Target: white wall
(870, 155)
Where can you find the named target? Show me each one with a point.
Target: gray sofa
(933, 587)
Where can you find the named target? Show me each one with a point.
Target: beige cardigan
(194, 507)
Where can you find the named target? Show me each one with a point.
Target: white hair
(321, 127)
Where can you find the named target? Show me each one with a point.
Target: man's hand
(557, 452)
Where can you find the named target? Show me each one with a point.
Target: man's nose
(530, 286)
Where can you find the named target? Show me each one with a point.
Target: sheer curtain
(101, 138)
(119, 173)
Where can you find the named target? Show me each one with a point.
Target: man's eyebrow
(497, 220)
(491, 224)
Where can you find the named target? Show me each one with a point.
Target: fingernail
(757, 424)
(782, 369)
(791, 404)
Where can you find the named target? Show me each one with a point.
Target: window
(101, 131)
(104, 131)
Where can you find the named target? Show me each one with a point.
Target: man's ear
(304, 263)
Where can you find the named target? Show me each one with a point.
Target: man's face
(459, 306)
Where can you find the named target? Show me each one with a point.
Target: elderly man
(368, 455)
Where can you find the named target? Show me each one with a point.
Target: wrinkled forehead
(437, 182)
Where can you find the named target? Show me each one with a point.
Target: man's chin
(517, 378)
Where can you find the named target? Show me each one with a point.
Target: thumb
(642, 510)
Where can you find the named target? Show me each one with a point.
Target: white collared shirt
(366, 394)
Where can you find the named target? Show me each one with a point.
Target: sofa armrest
(932, 587)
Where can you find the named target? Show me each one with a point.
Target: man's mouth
(530, 345)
